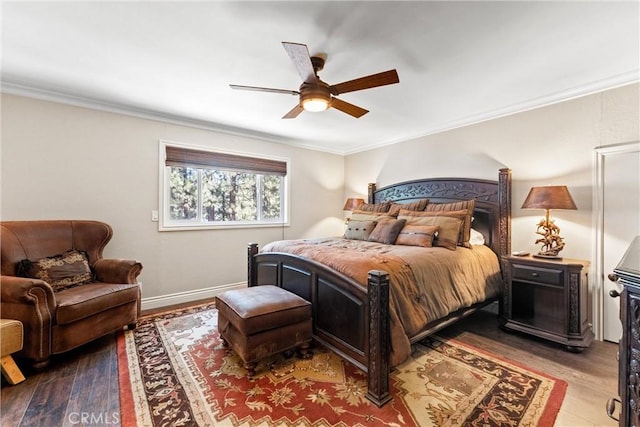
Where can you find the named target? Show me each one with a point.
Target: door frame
(600, 155)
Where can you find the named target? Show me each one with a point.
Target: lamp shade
(549, 197)
(352, 203)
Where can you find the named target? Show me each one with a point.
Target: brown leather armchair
(58, 321)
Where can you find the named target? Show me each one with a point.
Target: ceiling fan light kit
(315, 104)
(316, 95)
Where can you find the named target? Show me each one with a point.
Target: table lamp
(547, 198)
(352, 204)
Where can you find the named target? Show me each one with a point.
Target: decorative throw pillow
(359, 230)
(417, 235)
(375, 207)
(418, 205)
(449, 223)
(63, 271)
(387, 231)
(466, 205)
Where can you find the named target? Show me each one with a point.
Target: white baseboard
(187, 296)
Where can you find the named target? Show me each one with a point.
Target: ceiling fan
(316, 95)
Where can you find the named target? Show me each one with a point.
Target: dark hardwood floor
(80, 388)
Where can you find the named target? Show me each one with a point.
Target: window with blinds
(208, 188)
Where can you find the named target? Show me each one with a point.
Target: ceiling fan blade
(299, 54)
(345, 107)
(265, 89)
(374, 80)
(294, 112)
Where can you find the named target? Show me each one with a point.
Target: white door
(620, 224)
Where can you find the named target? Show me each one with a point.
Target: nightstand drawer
(536, 274)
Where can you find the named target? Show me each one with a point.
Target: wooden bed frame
(353, 320)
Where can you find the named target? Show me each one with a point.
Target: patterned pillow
(417, 235)
(359, 230)
(63, 271)
(387, 231)
(449, 223)
(468, 206)
(418, 205)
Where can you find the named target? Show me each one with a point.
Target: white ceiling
(458, 62)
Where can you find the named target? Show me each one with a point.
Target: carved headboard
(492, 214)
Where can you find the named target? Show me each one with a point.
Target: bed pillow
(468, 206)
(375, 207)
(359, 215)
(418, 205)
(449, 223)
(417, 235)
(477, 238)
(387, 231)
(359, 230)
(63, 271)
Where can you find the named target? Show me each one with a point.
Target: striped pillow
(417, 235)
(449, 225)
(466, 206)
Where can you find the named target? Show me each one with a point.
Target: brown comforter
(426, 283)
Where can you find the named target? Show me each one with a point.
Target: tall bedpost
(372, 189)
(504, 190)
(504, 203)
(252, 271)
(379, 338)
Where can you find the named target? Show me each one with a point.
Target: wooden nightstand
(548, 298)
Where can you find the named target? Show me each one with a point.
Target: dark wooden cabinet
(627, 274)
(548, 298)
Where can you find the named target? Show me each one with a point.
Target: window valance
(180, 156)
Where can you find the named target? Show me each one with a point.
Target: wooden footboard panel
(349, 319)
(340, 309)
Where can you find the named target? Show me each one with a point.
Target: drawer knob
(614, 294)
(613, 277)
(611, 407)
(534, 274)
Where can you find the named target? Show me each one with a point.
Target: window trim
(164, 182)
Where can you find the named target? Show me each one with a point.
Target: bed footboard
(349, 319)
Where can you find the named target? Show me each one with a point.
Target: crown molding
(620, 80)
(613, 82)
(93, 104)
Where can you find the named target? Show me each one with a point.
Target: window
(208, 189)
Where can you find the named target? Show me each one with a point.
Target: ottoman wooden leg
(10, 370)
(251, 368)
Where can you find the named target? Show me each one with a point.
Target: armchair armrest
(32, 302)
(24, 290)
(117, 270)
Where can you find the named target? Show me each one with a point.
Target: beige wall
(546, 146)
(65, 162)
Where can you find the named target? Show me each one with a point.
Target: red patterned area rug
(174, 371)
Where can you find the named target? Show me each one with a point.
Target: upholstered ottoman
(263, 320)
